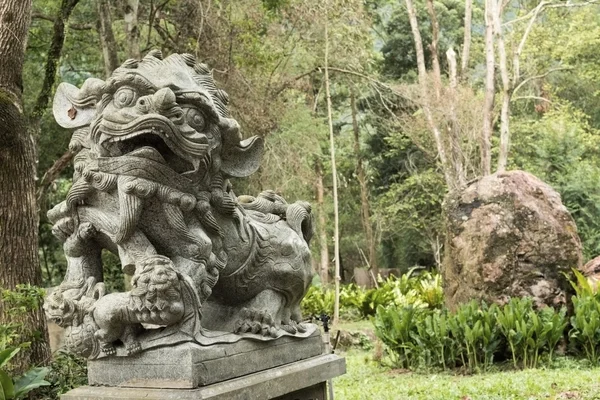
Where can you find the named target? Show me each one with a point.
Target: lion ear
(239, 158)
(73, 107)
(242, 160)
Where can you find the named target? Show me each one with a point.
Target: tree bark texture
(435, 58)
(132, 31)
(107, 37)
(336, 234)
(365, 209)
(464, 62)
(18, 212)
(505, 113)
(454, 125)
(488, 106)
(324, 247)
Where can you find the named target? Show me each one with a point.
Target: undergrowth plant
(585, 322)
(19, 301)
(422, 290)
(473, 336)
(474, 329)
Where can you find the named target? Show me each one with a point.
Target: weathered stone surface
(287, 382)
(509, 235)
(189, 365)
(155, 148)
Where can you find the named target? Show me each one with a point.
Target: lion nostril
(142, 104)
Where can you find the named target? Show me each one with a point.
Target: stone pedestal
(190, 365)
(300, 380)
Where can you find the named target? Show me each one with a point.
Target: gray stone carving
(155, 147)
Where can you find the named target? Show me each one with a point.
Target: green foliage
(67, 371)
(318, 301)
(437, 339)
(23, 299)
(16, 388)
(528, 331)
(422, 290)
(475, 335)
(474, 329)
(561, 149)
(12, 340)
(584, 334)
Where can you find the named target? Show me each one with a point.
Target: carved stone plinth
(301, 380)
(189, 365)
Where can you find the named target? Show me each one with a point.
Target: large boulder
(509, 235)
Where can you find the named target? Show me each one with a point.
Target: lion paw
(293, 327)
(257, 322)
(133, 348)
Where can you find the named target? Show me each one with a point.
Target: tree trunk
(453, 126)
(336, 234)
(505, 113)
(322, 227)
(364, 192)
(18, 212)
(422, 72)
(464, 62)
(132, 32)
(435, 58)
(107, 38)
(488, 106)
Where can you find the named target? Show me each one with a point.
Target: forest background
(402, 134)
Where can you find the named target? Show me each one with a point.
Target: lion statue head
(169, 106)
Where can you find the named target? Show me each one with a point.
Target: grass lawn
(365, 379)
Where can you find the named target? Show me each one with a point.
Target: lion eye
(195, 119)
(125, 97)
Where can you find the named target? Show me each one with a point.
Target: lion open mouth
(156, 131)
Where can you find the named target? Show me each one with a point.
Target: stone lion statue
(155, 148)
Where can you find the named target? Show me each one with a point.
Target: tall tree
(107, 37)
(365, 208)
(132, 31)
(322, 227)
(18, 208)
(336, 234)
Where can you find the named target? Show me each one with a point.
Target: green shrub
(528, 332)
(472, 337)
(318, 301)
(397, 328)
(422, 291)
(67, 371)
(473, 327)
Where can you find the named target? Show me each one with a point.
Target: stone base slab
(301, 380)
(189, 365)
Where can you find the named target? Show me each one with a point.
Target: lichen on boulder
(509, 235)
